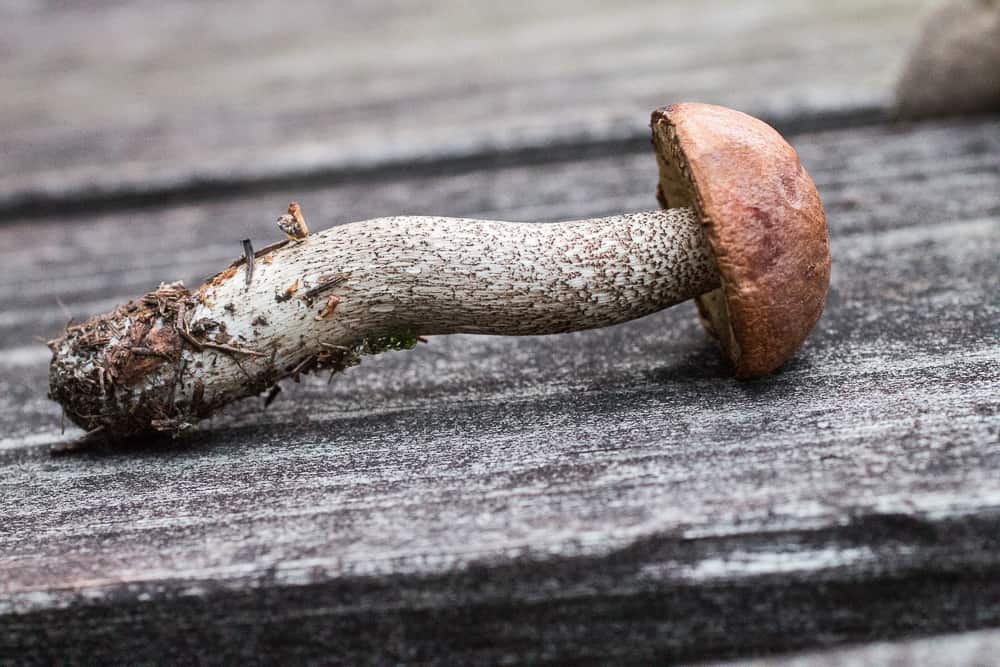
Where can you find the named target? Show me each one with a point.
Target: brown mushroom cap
(763, 220)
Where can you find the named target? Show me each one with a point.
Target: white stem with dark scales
(176, 356)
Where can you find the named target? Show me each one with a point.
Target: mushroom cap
(763, 220)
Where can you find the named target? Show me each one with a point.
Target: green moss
(393, 341)
(337, 359)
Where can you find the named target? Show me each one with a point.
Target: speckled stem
(362, 287)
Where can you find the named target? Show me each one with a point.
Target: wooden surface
(607, 496)
(133, 100)
(604, 494)
(972, 649)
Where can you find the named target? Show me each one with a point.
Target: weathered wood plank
(120, 99)
(968, 648)
(603, 495)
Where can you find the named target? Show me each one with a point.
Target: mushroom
(742, 231)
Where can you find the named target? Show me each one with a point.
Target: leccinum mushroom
(743, 232)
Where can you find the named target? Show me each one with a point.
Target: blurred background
(104, 99)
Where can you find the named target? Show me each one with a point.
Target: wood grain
(604, 495)
(142, 99)
(969, 648)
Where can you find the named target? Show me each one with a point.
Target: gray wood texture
(605, 495)
(136, 100)
(971, 649)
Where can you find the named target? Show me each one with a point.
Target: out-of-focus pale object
(954, 66)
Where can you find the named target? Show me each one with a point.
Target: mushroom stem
(443, 276)
(176, 356)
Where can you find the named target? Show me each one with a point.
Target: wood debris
(329, 307)
(293, 224)
(287, 294)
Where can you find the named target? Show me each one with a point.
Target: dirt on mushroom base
(116, 373)
(119, 374)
